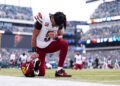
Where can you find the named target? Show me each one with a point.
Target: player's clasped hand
(52, 34)
(33, 53)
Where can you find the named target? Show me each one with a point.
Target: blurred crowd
(15, 27)
(11, 57)
(102, 59)
(103, 30)
(105, 57)
(15, 12)
(107, 9)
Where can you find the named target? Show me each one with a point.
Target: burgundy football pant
(61, 45)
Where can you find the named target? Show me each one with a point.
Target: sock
(59, 68)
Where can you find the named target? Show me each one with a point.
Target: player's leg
(61, 45)
(42, 67)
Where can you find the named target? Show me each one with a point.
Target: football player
(47, 38)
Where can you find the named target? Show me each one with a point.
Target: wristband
(58, 37)
(34, 49)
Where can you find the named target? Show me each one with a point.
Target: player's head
(59, 19)
(23, 54)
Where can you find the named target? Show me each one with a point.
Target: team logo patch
(24, 70)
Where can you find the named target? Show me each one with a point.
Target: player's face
(52, 20)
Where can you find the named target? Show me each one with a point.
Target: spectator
(116, 65)
(78, 64)
(12, 59)
(23, 58)
(96, 63)
(71, 63)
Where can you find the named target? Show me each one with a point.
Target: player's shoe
(62, 73)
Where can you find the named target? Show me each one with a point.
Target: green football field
(91, 75)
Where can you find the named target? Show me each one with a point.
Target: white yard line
(23, 81)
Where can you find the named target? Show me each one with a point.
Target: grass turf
(89, 75)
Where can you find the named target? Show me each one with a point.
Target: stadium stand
(102, 39)
(107, 9)
(104, 29)
(15, 12)
(16, 25)
(16, 18)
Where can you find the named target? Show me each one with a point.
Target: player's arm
(35, 33)
(60, 32)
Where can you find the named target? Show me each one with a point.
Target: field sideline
(91, 75)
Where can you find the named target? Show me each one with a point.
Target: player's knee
(64, 43)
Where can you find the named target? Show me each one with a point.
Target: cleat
(62, 73)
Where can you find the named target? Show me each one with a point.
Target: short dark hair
(60, 19)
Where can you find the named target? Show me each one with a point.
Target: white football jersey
(78, 59)
(43, 40)
(23, 58)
